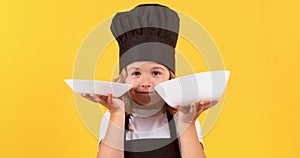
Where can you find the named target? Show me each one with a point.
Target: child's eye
(136, 73)
(156, 73)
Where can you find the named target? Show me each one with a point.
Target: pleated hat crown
(148, 32)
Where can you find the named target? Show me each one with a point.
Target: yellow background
(258, 40)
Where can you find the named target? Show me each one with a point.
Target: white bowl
(189, 89)
(98, 87)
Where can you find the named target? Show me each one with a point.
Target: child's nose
(146, 85)
(146, 82)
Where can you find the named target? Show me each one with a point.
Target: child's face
(144, 76)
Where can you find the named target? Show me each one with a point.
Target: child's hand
(112, 104)
(188, 114)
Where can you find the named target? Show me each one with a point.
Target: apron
(154, 147)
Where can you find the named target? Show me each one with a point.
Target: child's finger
(87, 96)
(110, 98)
(204, 102)
(212, 103)
(193, 108)
(201, 102)
(95, 98)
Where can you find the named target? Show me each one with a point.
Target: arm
(189, 143)
(190, 146)
(112, 144)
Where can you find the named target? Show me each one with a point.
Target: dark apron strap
(172, 126)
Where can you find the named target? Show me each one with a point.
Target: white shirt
(153, 126)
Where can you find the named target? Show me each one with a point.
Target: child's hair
(121, 79)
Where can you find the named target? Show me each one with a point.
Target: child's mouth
(146, 93)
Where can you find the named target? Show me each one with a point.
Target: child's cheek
(159, 81)
(128, 80)
(131, 82)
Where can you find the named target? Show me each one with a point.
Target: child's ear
(172, 75)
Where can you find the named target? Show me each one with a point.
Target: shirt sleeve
(198, 130)
(104, 125)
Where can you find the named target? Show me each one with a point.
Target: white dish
(98, 87)
(189, 89)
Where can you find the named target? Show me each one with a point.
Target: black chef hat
(148, 32)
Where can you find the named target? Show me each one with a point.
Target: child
(140, 124)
